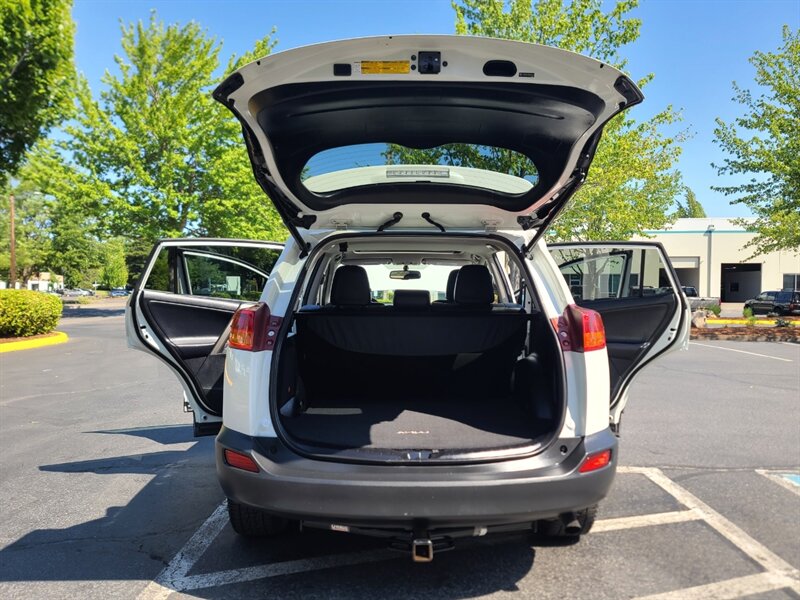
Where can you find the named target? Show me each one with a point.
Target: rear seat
(350, 348)
(350, 290)
(411, 299)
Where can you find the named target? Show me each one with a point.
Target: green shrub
(747, 312)
(714, 308)
(24, 313)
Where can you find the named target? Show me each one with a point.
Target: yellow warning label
(385, 67)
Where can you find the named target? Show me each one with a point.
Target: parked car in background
(691, 292)
(119, 292)
(696, 301)
(77, 292)
(485, 397)
(779, 302)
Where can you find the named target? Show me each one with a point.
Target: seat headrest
(450, 292)
(350, 286)
(474, 286)
(412, 298)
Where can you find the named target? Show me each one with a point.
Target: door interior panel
(195, 330)
(631, 325)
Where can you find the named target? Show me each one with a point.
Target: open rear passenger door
(635, 289)
(182, 307)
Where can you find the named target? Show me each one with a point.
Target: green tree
(159, 155)
(36, 74)
(765, 144)
(114, 271)
(692, 209)
(33, 242)
(75, 214)
(632, 183)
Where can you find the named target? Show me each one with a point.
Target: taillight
(253, 328)
(595, 461)
(240, 460)
(581, 329)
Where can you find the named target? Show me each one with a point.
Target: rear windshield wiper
(427, 217)
(393, 221)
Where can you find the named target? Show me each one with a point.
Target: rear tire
(252, 522)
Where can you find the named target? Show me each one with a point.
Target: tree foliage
(150, 156)
(36, 74)
(632, 183)
(33, 242)
(765, 144)
(163, 159)
(692, 209)
(114, 271)
(579, 25)
(74, 211)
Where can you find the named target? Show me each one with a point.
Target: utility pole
(12, 261)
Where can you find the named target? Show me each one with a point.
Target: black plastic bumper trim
(398, 496)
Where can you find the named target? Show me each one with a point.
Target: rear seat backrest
(350, 287)
(412, 299)
(473, 286)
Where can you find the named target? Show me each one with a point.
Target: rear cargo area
(427, 379)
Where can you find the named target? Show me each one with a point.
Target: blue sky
(695, 48)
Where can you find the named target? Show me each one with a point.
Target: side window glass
(512, 270)
(236, 272)
(159, 278)
(599, 273)
(223, 277)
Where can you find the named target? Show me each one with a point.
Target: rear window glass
(472, 165)
(432, 278)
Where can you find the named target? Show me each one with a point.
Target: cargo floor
(424, 424)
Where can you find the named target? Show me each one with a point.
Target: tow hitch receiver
(422, 550)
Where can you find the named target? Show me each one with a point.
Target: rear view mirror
(405, 275)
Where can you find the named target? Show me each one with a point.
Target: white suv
(415, 363)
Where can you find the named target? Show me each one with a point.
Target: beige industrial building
(710, 255)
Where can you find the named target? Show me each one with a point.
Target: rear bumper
(401, 496)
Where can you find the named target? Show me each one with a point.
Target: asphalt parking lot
(104, 492)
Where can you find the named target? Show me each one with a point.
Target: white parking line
(739, 587)
(778, 573)
(776, 476)
(178, 567)
(303, 565)
(742, 352)
(771, 562)
(666, 518)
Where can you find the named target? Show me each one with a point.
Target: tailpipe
(572, 525)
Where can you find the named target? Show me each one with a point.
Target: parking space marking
(756, 551)
(742, 352)
(790, 481)
(290, 567)
(760, 583)
(666, 518)
(778, 574)
(185, 559)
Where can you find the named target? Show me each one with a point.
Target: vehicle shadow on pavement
(133, 541)
(136, 541)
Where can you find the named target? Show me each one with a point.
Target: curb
(59, 337)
